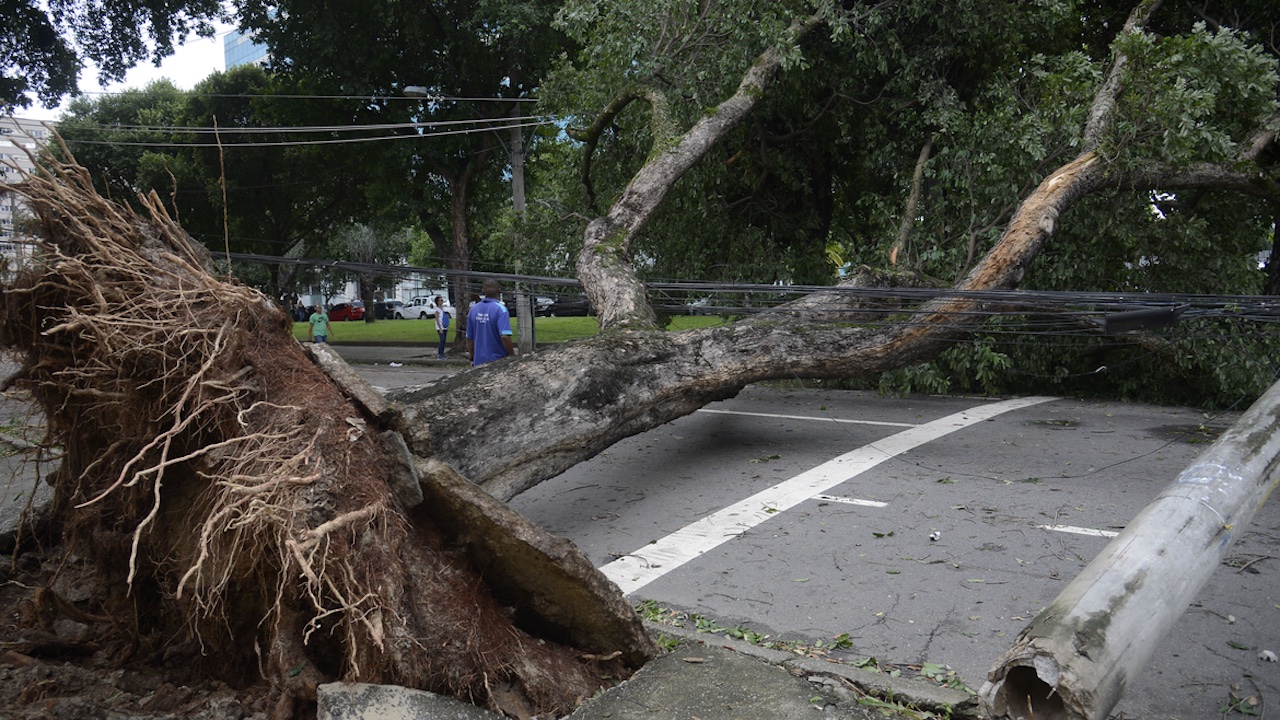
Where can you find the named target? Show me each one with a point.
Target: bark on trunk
(913, 204)
(461, 247)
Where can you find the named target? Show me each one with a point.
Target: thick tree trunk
(461, 246)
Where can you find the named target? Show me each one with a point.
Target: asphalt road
(920, 529)
(1018, 502)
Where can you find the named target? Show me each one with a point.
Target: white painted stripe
(634, 571)
(1079, 530)
(851, 501)
(807, 418)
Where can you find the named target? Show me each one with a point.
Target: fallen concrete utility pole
(1075, 658)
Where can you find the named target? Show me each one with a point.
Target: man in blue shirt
(489, 328)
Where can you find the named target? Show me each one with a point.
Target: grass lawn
(413, 332)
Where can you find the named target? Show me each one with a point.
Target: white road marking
(807, 417)
(634, 571)
(851, 501)
(1079, 530)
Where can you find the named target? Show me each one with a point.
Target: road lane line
(1079, 530)
(634, 571)
(851, 501)
(809, 418)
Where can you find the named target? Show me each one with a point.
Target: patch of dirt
(1191, 434)
(53, 665)
(1056, 423)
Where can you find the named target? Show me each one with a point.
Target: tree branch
(591, 137)
(603, 266)
(595, 392)
(1104, 102)
(913, 202)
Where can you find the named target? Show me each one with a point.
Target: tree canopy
(45, 45)
(900, 134)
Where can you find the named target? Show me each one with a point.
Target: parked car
(570, 307)
(390, 310)
(719, 304)
(424, 308)
(353, 310)
(699, 306)
(540, 304)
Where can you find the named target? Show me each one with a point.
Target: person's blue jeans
(444, 335)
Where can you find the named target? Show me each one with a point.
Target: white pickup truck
(425, 307)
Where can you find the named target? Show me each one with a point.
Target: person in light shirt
(319, 326)
(442, 326)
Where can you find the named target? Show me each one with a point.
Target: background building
(239, 49)
(17, 138)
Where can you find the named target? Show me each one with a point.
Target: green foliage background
(815, 181)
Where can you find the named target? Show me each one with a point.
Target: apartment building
(18, 137)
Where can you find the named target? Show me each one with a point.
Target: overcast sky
(189, 64)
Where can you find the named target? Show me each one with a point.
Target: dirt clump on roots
(234, 512)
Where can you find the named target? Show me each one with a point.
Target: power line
(1052, 312)
(371, 97)
(296, 143)
(236, 130)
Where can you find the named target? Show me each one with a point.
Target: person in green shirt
(319, 330)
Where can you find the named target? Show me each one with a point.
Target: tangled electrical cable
(1038, 311)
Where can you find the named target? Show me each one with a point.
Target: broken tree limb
(1076, 657)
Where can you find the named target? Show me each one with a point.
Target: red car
(353, 310)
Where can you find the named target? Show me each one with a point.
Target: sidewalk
(706, 677)
(711, 677)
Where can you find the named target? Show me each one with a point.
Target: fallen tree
(238, 496)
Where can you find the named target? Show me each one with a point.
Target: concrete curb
(920, 694)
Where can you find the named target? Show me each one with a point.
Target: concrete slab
(361, 701)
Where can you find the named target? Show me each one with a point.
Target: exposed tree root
(211, 474)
